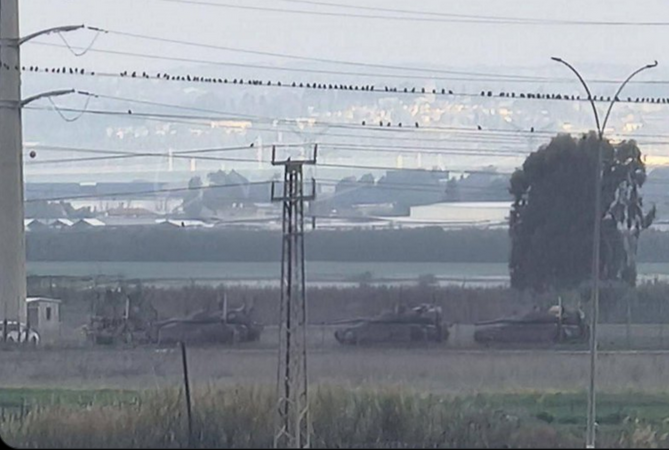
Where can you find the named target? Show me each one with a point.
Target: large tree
(552, 216)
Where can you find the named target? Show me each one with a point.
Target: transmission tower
(293, 428)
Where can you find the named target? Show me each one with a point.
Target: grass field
(398, 397)
(318, 271)
(342, 417)
(437, 370)
(562, 408)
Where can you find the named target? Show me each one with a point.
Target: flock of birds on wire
(344, 87)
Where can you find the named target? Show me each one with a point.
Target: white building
(44, 316)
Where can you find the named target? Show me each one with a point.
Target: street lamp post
(590, 432)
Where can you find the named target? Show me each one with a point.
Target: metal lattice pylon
(293, 427)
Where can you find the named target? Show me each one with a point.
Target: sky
(449, 45)
(598, 51)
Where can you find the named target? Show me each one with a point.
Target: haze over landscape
(335, 224)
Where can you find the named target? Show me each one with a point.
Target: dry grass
(436, 369)
(242, 417)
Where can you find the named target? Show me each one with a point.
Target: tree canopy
(552, 216)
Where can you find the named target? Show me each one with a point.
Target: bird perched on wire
(130, 111)
(479, 127)
(417, 125)
(532, 130)
(364, 123)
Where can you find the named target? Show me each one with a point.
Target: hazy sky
(494, 48)
(454, 45)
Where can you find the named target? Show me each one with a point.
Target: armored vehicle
(556, 325)
(211, 327)
(419, 324)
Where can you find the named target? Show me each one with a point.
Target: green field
(326, 272)
(561, 408)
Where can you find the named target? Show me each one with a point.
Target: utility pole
(596, 271)
(12, 231)
(12, 237)
(293, 427)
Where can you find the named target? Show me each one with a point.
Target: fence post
(628, 325)
(323, 335)
(187, 392)
(661, 315)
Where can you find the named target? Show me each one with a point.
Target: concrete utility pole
(591, 425)
(293, 427)
(12, 231)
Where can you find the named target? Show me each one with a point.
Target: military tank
(554, 326)
(419, 324)
(119, 317)
(208, 327)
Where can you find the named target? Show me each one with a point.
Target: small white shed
(44, 316)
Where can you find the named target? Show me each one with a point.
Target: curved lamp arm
(47, 94)
(615, 97)
(49, 31)
(592, 102)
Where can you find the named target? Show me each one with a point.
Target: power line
(385, 185)
(189, 120)
(120, 154)
(486, 94)
(509, 136)
(488, 20)
(464, 75)
(457, 150)
(406, 11)
(506, 134)
(487, 134)
(329, 61)
(194, 154)
(338, 14)
(145, 192)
